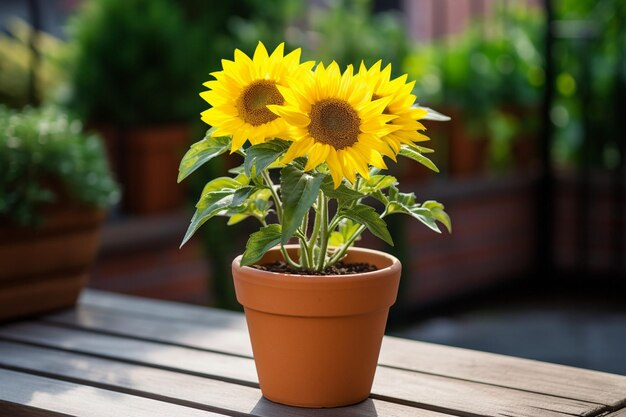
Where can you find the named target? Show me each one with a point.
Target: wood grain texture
(114, 315)
(35, 396)
(489, 368)
(192, 361)
(393, 385)
(176, 388)
(172, 311)
(619, 413)
(216, 338)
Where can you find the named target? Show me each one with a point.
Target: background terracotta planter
(316, 340)
(45, 268)
(145, 161)
(152, 168)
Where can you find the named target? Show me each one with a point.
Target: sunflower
(399, 91)
(333, 119)
(240, 93)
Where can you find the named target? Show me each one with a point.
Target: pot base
(286, 401)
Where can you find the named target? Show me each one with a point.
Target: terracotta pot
(45, 268)
(316, 340)
(145, 161)
(152, 162)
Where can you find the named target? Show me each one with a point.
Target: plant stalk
(305, 260)
(279, 213)
(277, 201)
(344, 248)
(316, 229)
(323, 233)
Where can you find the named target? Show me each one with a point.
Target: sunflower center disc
(334, 122)
(252, 104)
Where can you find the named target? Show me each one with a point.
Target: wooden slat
(116, 316)
(201, 336)
(178, 388)
(407, 387)
(35, 396)
(193, 361)
(163, 309)
(619, 413)
(489, 368)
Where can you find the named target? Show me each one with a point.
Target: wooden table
(123, 356)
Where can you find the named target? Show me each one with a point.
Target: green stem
(316, 229)
(288, 258)
(301, 233)
(279, 213)
(323, 232)
(334, 222)
(277, 202)
(344, 248)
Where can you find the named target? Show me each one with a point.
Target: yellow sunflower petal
(291, 116)
(316, 156)
(334, 166)
(297, 149)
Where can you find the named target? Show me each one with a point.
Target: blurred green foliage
(491, 72)
(347, 31)
(590, 51)
(16, 60)
(143, 61)
(130, 62)
(45, 155)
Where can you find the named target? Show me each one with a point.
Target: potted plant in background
(490, 78)
(316, 309)
(54, 187)
(133, 85)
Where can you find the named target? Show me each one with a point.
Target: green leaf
(257, 205)
(367, 216)
(263, 155)
(437, 211)
(260, 242)
(423, 149)
(218, 184)
(336, 239)
(342, 194)
(236, 170)
(399, 201)
(347, 228)
(424, 216)
(201, 152)
(405, 203)
(377, 182)
(210, 205)
(414, 153)
(298, 190)
(241, 195)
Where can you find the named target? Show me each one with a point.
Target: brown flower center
(334, 122)
(252, 104)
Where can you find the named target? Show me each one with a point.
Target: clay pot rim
(394, 267)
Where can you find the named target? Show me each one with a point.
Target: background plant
(348, 32)
(16, 65)
(45, 156)
(492, 72)
(591, 77)
(148, 69)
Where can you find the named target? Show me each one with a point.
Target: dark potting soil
(339, 268)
